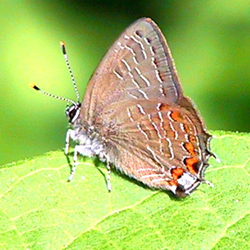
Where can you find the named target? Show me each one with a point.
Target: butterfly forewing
(138, 66)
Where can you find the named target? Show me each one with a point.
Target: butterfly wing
(138, 66)
(135, 102)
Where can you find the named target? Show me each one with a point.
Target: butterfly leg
(108, 177)
(73, 169)
(67, 140)
(69, 135)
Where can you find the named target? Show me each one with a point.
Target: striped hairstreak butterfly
(135, 117)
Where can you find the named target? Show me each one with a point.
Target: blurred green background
(209, 40)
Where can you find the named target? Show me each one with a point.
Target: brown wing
(150, 130)
(138, 66)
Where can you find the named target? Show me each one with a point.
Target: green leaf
(39, 209)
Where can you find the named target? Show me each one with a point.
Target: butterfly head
(72, 112)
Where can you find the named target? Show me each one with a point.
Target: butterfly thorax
(88, 141)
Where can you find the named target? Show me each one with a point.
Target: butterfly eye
(72, 112)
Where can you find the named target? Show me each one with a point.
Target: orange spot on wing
(176, 116)
(172, 183)
(190, 148)
(186, 128)
(177, 172)
(192, 138)
(192, 165)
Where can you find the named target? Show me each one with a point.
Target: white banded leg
(67, 140)
(75, 163)
(66, 150)
(108, 177)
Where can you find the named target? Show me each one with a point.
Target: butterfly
(135, 117)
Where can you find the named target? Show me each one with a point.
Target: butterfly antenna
(70, 70)
(35, 87)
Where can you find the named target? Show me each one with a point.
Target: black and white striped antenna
(34, 86)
